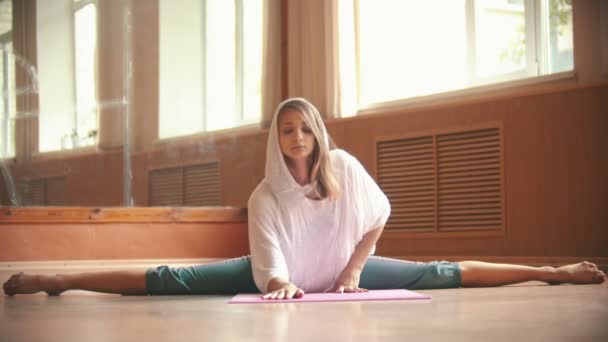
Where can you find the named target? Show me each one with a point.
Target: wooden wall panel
(31, 241)
(237, 178)
(241, 160)
(7, 167)
(91, 179)
(556, 162)
(555, 156)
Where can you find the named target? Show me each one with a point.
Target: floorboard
(526, 312)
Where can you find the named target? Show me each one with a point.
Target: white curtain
(315, 55)
(346, 57)
(271, 60)
(320, 66)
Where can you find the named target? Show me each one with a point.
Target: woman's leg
(226, 277)
(481, 274)
(388, 273)
(129, 282)
(230, 276)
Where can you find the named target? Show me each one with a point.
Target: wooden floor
(528, 312)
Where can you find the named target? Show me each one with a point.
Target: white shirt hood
(276, 174)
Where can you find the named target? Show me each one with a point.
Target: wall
(556, 153)
(556, 162)
(36, 234)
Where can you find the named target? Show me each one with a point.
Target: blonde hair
(322, 177)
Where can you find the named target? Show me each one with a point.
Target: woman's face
(296, 139)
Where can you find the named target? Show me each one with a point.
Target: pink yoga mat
(256, 298)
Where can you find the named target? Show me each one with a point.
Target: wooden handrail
(120, 215)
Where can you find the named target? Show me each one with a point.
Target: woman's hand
(348, 281)
(282, 290)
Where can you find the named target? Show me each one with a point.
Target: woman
(313, 223)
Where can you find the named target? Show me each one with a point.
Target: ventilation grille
(32, 192)
(202, 185)
(197, 185)
(40, 192)
(444, 182)
(166, 188)
(406, 173)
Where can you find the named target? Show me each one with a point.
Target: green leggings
(234, 276)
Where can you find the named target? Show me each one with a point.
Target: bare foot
(581, 273)
(22, 283)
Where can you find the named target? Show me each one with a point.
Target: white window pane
(198, 65)
(7, 102)
(347, 58)
(12, 85)
(252, 78)
(55, 46)
(560, 36)
(6, 16)
(5, 98)
(10, 151)
(85, 42)
(500, 34)
(410, 48)
(181, 68)
(221, 59)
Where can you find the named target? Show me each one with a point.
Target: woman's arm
(267, 259)
(348, 281)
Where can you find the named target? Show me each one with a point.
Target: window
(409, 48)
(66, 46)
(85, 43)
(7, 83)
(210, 65)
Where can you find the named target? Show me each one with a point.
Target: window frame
(240, 120)
(536, 71)
(10, 98)
(78, 5)
(68, 133)
(532, 34)
(5, 39)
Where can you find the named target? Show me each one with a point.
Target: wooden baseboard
(46, 215)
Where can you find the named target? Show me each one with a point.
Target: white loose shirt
(309, 242)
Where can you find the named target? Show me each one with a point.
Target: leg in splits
(389, 273)
(484, 274)
(224, 277)
(129, 282)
